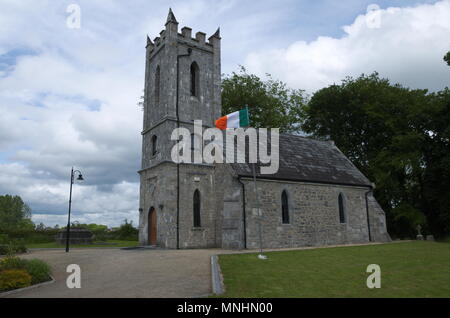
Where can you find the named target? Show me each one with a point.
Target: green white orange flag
(234, 120)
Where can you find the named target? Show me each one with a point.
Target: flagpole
(256, 199)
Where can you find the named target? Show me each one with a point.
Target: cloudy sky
(68, 96)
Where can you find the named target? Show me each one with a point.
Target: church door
(152, 226)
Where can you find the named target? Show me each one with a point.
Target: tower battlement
(170, 34)
(182, 82)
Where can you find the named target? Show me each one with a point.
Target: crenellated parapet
(171, 34)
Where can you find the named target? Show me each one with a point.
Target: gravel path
(127, 273)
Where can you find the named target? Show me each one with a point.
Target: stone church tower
(182, 84)
(317, 197)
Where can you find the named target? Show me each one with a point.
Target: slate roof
(310, 160)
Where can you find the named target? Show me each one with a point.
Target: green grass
(118, 243)
(410, 269)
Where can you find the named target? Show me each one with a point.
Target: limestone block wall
(158, 190)
(197, 177)
(313, 213)
(377, 220)
(230, 212)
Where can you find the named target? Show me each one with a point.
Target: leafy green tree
(14, 213)
(380, 127)
(127, 231)
(447, 58)
(271, 103)
(437, 161)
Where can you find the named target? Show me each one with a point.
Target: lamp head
(80, 177)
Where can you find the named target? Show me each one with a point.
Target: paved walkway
(127, 273)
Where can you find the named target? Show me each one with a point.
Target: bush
(12, 262)
(18, 246)
(13, 246)
(39, 270)
(126, 232)
(4, 249)
(4, 239)
(14, 278)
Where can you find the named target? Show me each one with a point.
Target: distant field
(111, 243)
(410, 269)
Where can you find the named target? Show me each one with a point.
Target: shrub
(39, 270)
(14, 278)
(18, 246)
(12, 262)
(12, 247)
(4, 239)
(4, 249)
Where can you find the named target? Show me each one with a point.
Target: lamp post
(80, 178)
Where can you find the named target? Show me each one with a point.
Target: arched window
(154, 145)
(285, 207)
(197, 222)
(157, 84)
(192, 141)
(195, 74)
(341, 208)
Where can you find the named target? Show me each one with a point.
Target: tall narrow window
(154, 145)
(195, 73)
(197, 222)
(341, 208)
(192, 141)
(157, 84)
(285, 207)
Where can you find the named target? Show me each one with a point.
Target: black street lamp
(80, 178)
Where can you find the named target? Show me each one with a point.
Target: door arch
(152, 226)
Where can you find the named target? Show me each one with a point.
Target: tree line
(396, 136)
(16, 226)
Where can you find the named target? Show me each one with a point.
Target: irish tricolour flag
(233, 120)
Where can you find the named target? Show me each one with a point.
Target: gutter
(244, 216)
(367, 212)
(243, 176)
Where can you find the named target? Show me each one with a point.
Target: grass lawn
(409, 269)
(117, 243)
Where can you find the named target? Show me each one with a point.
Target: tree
(127, 231)
(437, 162)
(14, 213)
(381, 127)
(271, 103)
(447, 58)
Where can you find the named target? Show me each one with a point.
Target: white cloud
(408, 48)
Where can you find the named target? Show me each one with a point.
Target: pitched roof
(309, 160)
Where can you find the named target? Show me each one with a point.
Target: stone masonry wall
(377, 220)
(159, 190)
(313, 213)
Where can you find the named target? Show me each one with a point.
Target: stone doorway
(152, 226)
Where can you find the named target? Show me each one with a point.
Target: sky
(69, 87)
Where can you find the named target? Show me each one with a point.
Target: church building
(317, 197)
